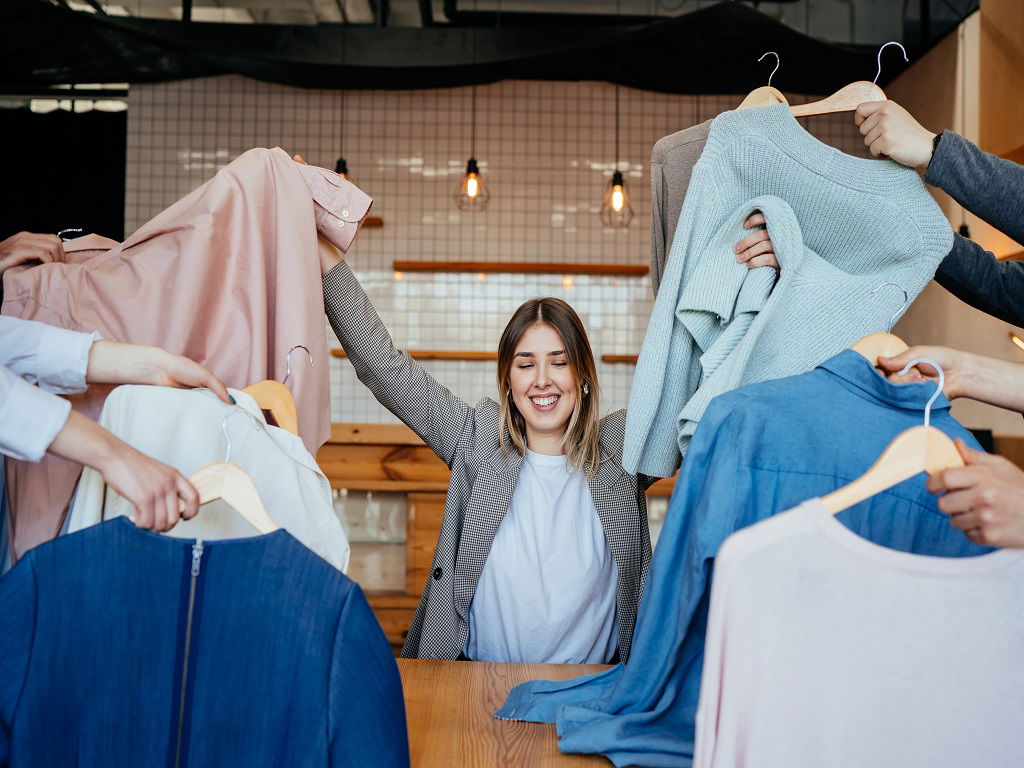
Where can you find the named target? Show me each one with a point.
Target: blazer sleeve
(398, 382)
(367, 716)
(18, 608)
(977, 277)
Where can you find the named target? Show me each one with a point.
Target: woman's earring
(586, 389)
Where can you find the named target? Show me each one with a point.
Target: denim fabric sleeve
(977, 277)
(988, 186)
(367, 709)
(18, 608)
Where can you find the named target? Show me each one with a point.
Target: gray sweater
(841, 225)
(992, 189)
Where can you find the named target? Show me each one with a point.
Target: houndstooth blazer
(483, 478)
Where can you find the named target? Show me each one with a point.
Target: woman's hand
(954, 363)
(161, 495)
(756, 250)
(984, 499)
(30, 246)
(111, 362)
(890, 131)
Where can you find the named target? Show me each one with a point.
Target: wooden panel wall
(1002, 70)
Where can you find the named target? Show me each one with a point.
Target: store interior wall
(546, 151)
(942, 92)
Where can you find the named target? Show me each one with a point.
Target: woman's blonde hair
(581, 441)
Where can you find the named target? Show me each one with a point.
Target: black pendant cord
(618, 51)
(472, 124)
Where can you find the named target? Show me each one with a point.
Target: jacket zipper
(197, 554)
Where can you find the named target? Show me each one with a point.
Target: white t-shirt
(547, 591)
(824, 649)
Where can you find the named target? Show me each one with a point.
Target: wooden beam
(372, 434)
(437, 354)
(629, 359)
(522, 267)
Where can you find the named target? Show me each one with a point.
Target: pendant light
(616, 211)
(472, 194)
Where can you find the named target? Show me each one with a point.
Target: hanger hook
(69, 231)
(224, 427)
(938, 390)
(901, 310)
(878, 74)
(288, 361)
(778, 62)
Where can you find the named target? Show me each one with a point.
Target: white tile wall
(545, 150)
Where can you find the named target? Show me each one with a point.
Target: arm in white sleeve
(30, 418)
(54, 358)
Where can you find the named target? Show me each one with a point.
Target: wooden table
(450, 707)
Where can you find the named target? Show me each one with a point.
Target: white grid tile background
(545, 150)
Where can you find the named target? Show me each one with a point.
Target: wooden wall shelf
(627, 359)
(437, 354)
(522, 267)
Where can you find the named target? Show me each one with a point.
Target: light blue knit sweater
(840, 226)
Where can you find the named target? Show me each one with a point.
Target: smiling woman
(547, 382)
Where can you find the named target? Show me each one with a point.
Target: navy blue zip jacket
(120, 647)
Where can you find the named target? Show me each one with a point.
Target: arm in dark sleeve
(367, 718)
(988, 186)
(977, 277)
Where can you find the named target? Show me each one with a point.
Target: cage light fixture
(616, 211)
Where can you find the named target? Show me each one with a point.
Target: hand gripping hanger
(229, 482)
(275, 397)
(765, 96)
(887, 344)
(918, 449)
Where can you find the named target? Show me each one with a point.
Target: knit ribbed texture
(840, 226)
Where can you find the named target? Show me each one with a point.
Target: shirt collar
(857, 374)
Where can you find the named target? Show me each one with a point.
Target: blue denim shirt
(126, 648)
(760, 450)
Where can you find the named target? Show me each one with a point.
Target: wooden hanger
(849, 97)
(918, 449)
(230, 483)
(275, 397)
(876, 345)
(765, 96)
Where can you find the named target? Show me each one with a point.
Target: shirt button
(344, 213)
(437, 574)
(341, 225)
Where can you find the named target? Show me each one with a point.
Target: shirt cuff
(62, 360)
(340, 206)
(30, 420)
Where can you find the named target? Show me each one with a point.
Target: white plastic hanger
(230, 483)
(765, 96)
(918, 449)
(275, 397)
(851, 96)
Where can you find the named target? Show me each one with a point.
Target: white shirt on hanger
(824, 649)
(547, 591)
(53, 359)
(182, 428)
